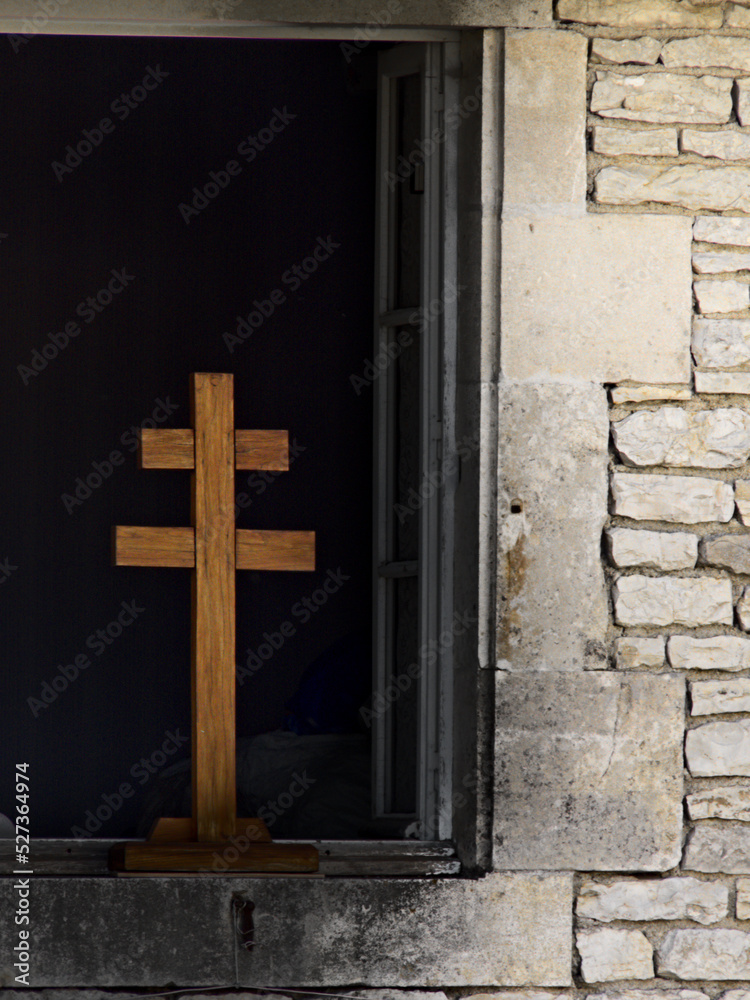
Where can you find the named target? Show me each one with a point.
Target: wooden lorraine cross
(213, 548)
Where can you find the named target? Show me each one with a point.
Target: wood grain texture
(213, 648)
(137, 546)
(167, 830)
(262, 450)
(166, 448)
(275, 550)
(191, 856)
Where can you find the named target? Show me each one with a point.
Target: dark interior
(81, 200)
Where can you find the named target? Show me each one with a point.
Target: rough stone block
(678, 499)
(590, 771)
(647, 600)
(643, 393)
(727, 552)
(654, 899)
(719, 748)
(743, 102)
(743, 899)
(722, 262)
(718, 697)
(718, 848)
(725, 231)
(725, 383)
(630, 50)
(737, 16)
(742, 498)
(617, 309)
(743, 610)
(725, 802)
(639, 16)
(705, 954)
(690, 185)
(722, 145)
(626, 142)
(719, 652)
(633, 994)
(608, 955)
(545, 119)
(662, 97)
(721, 343)
(632, 652)
(703, 51)
(553, 607)
(659, 549)
(721, 296)
(670, 435)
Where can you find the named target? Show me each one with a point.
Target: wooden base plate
(216, 858)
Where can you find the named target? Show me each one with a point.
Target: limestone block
(743, 102)
(721, 296)
(618, 309)
(743, 899)
(591, 771)
(545, 119)
(608, 955)
(678, 499)
(720, 263)
(690, 185)
(632, 652)
(553, 447)
(737, 17)
(647, 600)
(646, 995)
(717, 697)
(662, 97)
(658, 549)
(743, 610)
(708, 50)
(724, 802)
(742, 497)
(642, 393)
(718, 847)
(719, 748)
(670, 435)
(719, 652)
(732, 383)
(705, 954)
(735, 995)
(722, 145)
(727, 552)
(654, 899)
(621, 141)
(654, 14)
(631, 50)
(726, 231)
(721, 343)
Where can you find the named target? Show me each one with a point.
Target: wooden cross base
(214, 840)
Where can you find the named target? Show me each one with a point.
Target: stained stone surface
(722, 145)
(662, 97)
(630, 50)
(743, 899)
(727, 552)
(671, 435)
(719, 748)
(654, 899)
(742, 498)
(719, 262)
(689, 185)
(704, 51)
(624, 142)
(718, 697)
(721, 343)
(725, 231)
(590, 771)
(608, 955)
(642, 393)
(659, 549)
(724, 802)
(721, 296)
(720, 652)
(718, 954)
(654, 14)
(632, 652)
(732, 383)
(678, 499)
(721, 847)
(647, 600)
